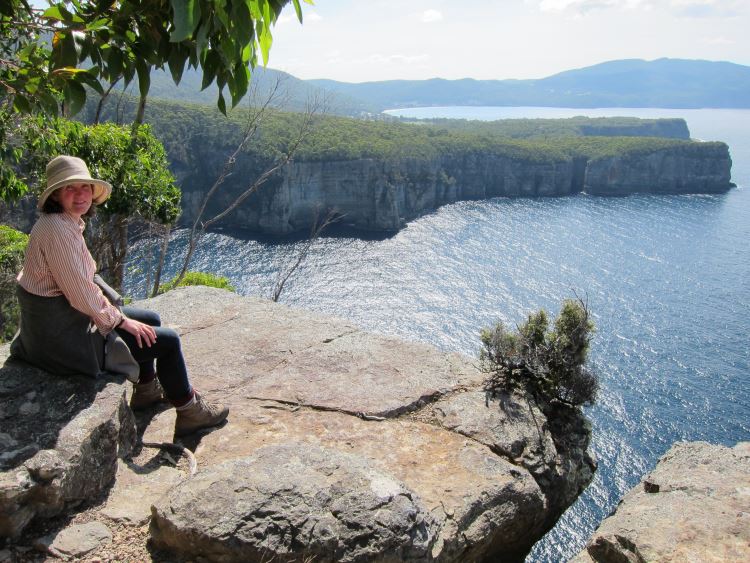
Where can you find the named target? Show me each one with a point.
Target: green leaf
(52, 13)
(187, 14)
(75, 96)
(88, 78)
(177, 59)
(48, 103)
(243, 23)
(298, 9)
(64, 50)
(265, 39)
(97, 25)
(209, 65)
(241, 82)
(114, 63)
(144, 77)
(201, 36)
(222, 105)
(21, 104)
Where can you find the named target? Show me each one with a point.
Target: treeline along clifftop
(379, 174)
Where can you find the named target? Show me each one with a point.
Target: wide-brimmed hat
(63, 170)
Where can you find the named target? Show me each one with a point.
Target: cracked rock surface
(340, 445)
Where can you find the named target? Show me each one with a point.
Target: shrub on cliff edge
(550, 364)
(198, 278)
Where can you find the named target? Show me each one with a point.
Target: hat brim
(102, 190)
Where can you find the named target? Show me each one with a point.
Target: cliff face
(693, 168)
(383, 195)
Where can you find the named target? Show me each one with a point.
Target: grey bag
(117, 356)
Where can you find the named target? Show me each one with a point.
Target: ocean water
(667, 279)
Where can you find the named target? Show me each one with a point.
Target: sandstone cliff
(695, 506)
(382, 195)
(341, 446)
(688, 168)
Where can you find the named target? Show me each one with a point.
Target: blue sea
(667, 279)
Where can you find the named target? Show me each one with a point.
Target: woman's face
(75, 199)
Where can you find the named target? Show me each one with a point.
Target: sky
(360, 41)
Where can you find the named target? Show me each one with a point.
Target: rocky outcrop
(695, 506)
(335, 448)
(60, 440)
(689, 168)
(382, 195)
(552, 447)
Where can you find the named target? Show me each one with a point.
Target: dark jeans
(166, 352)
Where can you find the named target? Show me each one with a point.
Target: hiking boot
(197, 415)
(146, 395)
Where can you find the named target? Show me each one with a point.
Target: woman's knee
(168, 338)
(151, 318)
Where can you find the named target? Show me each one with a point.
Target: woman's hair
(53, 206)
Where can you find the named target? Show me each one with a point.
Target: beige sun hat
(63, 170)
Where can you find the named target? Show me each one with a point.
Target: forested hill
(292, 94)
(666, 83)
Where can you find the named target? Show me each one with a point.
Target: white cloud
(580, 6)
(718, 41)
(430, 16)
(398, 59)
(289, 16)
(690, 8)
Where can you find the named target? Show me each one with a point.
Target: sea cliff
(383, 194)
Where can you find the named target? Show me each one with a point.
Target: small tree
(550, 364)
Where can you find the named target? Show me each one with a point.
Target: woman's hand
(144, 334)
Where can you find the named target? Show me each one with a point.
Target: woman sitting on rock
(69, 327)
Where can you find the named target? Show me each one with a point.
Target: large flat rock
(695, 506)
(265, 350)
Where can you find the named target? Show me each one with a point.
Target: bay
(667, 279)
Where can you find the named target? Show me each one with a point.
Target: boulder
(295, 502)
(61, 438)
(75, 541)
(480, 502)
(695, 506)
(553, 448)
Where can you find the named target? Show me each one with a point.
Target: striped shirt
(57, 262)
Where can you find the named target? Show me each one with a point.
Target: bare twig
(318, 227)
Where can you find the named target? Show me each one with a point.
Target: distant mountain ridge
(672, 83)
(292, 94)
